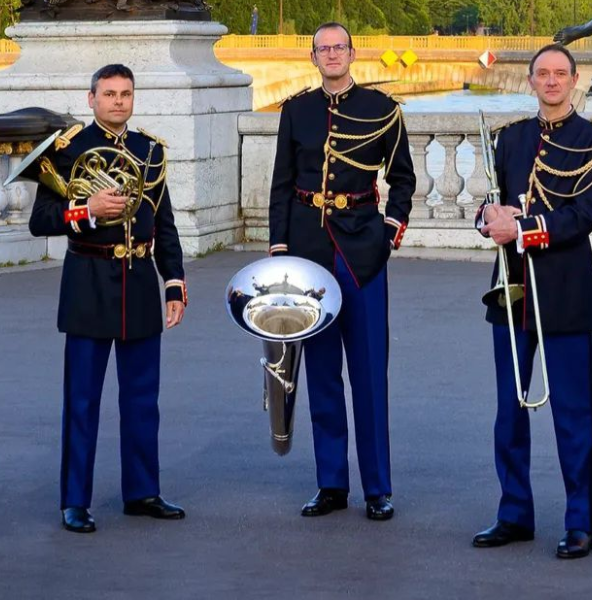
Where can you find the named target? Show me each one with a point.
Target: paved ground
(243, 537)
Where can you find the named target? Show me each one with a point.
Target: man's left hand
(175, 309)
(503, 229)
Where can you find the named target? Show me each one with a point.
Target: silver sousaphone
(282, 301)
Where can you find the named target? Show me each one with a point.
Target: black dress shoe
(379, 508)
(502, 533)
(153, 507)
(78, 519)
(574, 544)
(326, 501)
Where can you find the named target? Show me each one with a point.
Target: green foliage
(8, 15)
(405, 17)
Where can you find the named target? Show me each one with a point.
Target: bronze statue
(99, 10)
(567, 35)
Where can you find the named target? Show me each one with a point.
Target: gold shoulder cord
(580, 172)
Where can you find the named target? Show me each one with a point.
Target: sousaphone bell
(282, 301)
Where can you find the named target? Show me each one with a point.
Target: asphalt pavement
(243, 537)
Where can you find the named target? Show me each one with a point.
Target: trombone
(504, 293)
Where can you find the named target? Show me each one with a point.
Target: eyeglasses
(339, 49)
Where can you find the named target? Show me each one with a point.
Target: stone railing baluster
(450, 183)
(425, 182)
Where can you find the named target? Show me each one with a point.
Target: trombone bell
(497, 296)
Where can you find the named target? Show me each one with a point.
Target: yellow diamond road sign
(408, 58)
(389, 58)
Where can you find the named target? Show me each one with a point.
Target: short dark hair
(109, 71)
(333, 25)
(553, 48)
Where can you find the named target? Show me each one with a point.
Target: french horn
(94, 170)
(282, 301)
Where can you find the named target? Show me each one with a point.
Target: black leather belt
(140, 250)
(339, 201)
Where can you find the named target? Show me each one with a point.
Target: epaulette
(391, 95)
(287, 99)
(151, 136)
(498, 128)
(64, 140)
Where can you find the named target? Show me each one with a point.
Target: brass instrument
(95, 170)
(503, 293)
(282, 301)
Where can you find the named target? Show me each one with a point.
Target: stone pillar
(183, 94)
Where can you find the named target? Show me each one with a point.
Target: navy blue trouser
(138, 373)
(568, 365)
(362, 329)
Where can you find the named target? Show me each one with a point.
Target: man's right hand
(107, 203)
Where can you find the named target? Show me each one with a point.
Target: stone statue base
(183, 94)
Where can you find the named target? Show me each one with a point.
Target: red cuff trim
(76, 214)
(536, 238)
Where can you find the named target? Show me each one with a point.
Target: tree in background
(8, 14)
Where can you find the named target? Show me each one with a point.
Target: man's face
(113, 102)
(552, 80)
(330, 57)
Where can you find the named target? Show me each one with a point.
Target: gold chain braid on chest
(336, 113)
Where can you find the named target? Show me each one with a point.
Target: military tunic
(334, 144)
(556, 231)
(102, 297)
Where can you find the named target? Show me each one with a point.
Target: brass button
(334, 127)
(345, 95)
(340, 201)
(336, 111)
(331, 176)
(329, 211)
(559, 125)
(332, 159)
(329, 193)
(543, 153)
(546, 137)
(318, 200)
(333, 143)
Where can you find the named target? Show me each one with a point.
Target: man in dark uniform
(332, 142)
(549, 159)
(110, 293)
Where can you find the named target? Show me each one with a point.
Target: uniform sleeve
(401, 180)
(564, 226)
(53, 215)
(282, 186)
(167, 251)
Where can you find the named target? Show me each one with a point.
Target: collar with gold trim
(556, 123)
(336, 97)
(117, 138)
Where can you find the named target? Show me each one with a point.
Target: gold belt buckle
(340, 201)
(140, 250)
(318, 200)
(119, 251)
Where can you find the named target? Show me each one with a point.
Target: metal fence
(384, 42)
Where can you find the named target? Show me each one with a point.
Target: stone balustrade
(448, 160)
